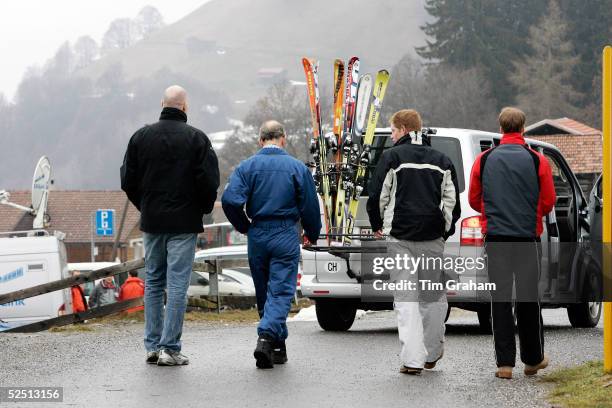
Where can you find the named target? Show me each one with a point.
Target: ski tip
(309, 61)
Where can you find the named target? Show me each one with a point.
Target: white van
(28, 259)
(569, 277)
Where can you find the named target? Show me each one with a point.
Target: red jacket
(78, 299)
(132, 288)
(509, 184)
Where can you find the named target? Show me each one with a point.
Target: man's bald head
(175, 97)
(272, 132)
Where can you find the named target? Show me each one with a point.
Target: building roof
(559, 127)
(584, 153)
(70, 212)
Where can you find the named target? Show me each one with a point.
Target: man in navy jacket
(278, 191)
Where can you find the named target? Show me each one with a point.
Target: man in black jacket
(414, 199)
(171, 174)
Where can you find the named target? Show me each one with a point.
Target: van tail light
(299, 280)
(471, 232)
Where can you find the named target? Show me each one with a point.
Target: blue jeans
(274, 254)
(168, 263)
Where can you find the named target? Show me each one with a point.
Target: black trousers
(515, 263)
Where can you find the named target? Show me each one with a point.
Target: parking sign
(105, 222)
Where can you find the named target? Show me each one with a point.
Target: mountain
(239, 46)
(227, 53)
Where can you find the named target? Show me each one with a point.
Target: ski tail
(364, 94)
(352, 76)
(318, 145)
(313, 96)
(338, 99)
(380, 88)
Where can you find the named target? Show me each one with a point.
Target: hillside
(228, 42)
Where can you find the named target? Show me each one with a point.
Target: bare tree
(120, 35)
(287, 104)
(85, 51)
(62, 63)
(445, 96)
(283, 102)
(544, 78)
(148, 20)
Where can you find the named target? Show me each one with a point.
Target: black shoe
(280, 352)
(264, 352)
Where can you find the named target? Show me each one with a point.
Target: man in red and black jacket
(511, 186)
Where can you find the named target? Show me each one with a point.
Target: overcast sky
(32, 30)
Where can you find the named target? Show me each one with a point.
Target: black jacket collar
(407, 139)
(173, 114)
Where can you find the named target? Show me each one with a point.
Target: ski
(349, 111)
(318, 146)
(380, 87)
(364, 95)
(338, 101)
(334, 137)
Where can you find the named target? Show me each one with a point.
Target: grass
(226, 316)
(72, 328)
(584, 386)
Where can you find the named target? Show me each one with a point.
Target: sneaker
(152, 357)
(264, 352)
(533, 370)
(410, 370)
(171, 358)
(279, 355)
(504, 372)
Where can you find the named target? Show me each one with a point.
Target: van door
(561, 278)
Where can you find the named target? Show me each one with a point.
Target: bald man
(170, 173)
(278, 192)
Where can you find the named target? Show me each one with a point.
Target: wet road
(359, 368)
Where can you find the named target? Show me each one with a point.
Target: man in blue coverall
(278, 191)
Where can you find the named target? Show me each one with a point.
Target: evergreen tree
(589, 26)
(484, 34)
(543, 79)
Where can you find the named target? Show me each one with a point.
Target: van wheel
(448, 310)
(335, 314)
(587, 314)
(484, 319)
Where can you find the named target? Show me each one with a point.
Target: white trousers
(421, 331)
(420, 313)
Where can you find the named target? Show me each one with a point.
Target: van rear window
(447, 145)
(451, 147)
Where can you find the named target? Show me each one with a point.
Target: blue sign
(105, 222)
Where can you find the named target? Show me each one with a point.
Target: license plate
(365, 231)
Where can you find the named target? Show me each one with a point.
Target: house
(71, 212)
(581, 145)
